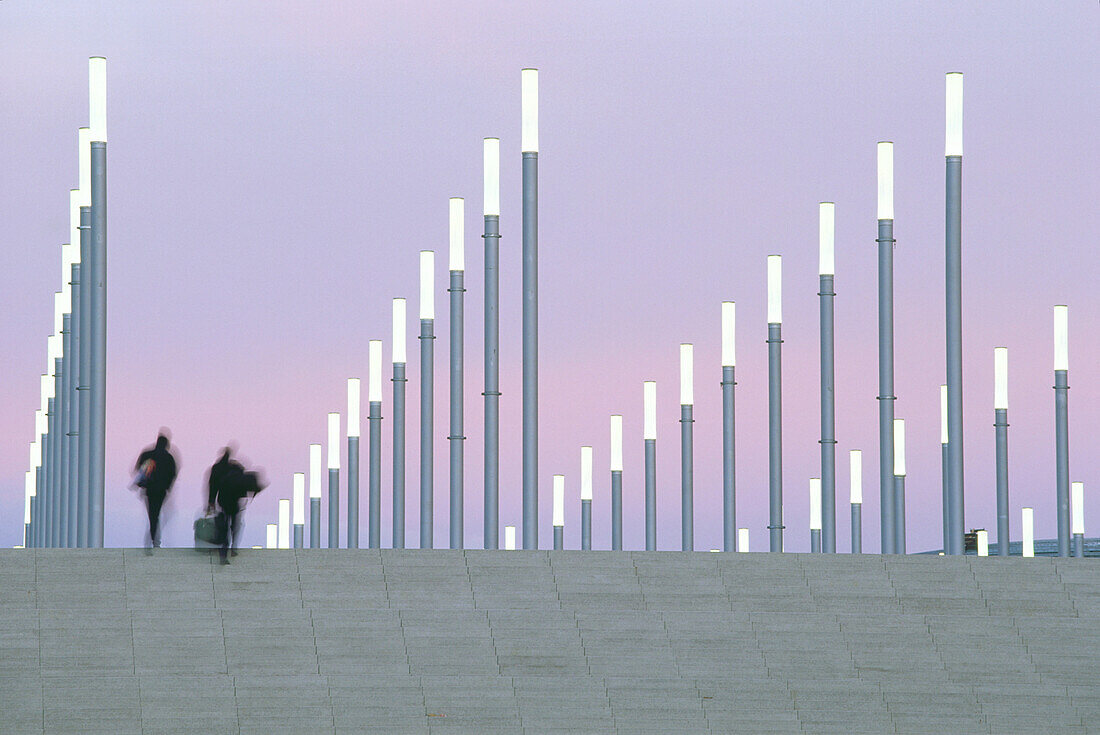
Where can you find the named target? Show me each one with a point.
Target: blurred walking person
(156, 469)
(229, 486)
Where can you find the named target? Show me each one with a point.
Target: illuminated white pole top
(729, 346)
(28, 484)
(1000, 377)
(315, 471)
(616, 443)
(509, 538)
(84, 166)
(1077, 494)
(826, 235)
(885, 180)
(53, 350)
(899, 447)
(41, 426)
(427, 278)
(374, 366)
(334, 441)
(943, 415)
(36, 449)
(491, 177)
(953, 145)
(457, 231)
(45, 393)
(353, 411)
(97, 98)
(272, 541)
(742, 539)
(59, 311)
(28, 488)
(586, 473)
(529, 102)
(983, 543)
(775, 289)
(649, 410)
(74, 230)
(559, 500)
(1027, 531)
(855, 475)
(687, 382)
(299, 498)
(815, 503)
(284, 523)
(1061, 337)
(398, 345)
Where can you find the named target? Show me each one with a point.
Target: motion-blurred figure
(156, 470)
(229, 486)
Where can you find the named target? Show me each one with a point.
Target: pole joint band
(456, 290)
(399, 380)
(773, 528)
(457, 437)
(493, 235)
(826, 441)
(426, 336)
(491, 393)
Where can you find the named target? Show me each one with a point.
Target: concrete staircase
(113, 641)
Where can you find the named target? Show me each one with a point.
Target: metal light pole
(775, 403)
(29, 495)
(299, 488)
(1000, 422)
(1061, 423)
(886, 398)
(48, 445)
(815, 515)
(354, 430)
(826, 270)
(398, 380)
(953, 289)
(334, 480)
(743, 539)
(427, 394)
(97, 284)
(314, 496)
(983, 542)
(1077, 490)
(84, 354)
(616, 482)
(1027, 532)
(586, 498)
(73, 430)
(272, 540)
(559, 512)
(729, 474)
(945, 464)
(529, 135)
(284, 523)
(899, 485)
(509, 538)
(457, 435)
(491, 180)
(649, 434)
(374, 454)
(855, 479)
(687, 468)
(64, 435)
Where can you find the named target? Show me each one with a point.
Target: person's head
(227, 452)
(162, 441)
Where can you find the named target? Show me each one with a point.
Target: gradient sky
(274, 168)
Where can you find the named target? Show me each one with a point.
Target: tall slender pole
(1061, 423)
(888, 520)
(559, 512)
(84, 373)
(299, 509)
(427, 394)
(616, 482)
(28, 492)
(37, 456)
(815, 515)
(649, 434)
(73, 430)
(491, 522)
(729, 466)
(826, 296)
(899, 485)
(1077, 490)
(97, 74)
(1000, 422)
(314, 496)
(855, 478)
(457, 435)
(354, 430)
(57, 449)
(687, 465)
(530, 147)
(374, 455)
(953, 289)
(65, 439)
(49, 445)
(775, 403)
(586, 498)
(334, 481)
(399, 361)
(945, 471)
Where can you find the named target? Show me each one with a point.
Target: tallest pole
(886, 346)
(530, 144)
(953, 250)
(97, 283)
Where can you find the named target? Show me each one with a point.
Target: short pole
(284, 523)
(815, 515)
(586, 498)
(729, 472)
(616, 482)
(945, 475)
(1077, 491)
(1027, 532)
(354, 429)
(885, 240)
(509, 538)
(427, 394)
(559, 512)
(47, 472)
(457, 433)
(314, 496)
(299, 508)
(334, 480)
(826, 296)
(57, 450)
(983, 542)
(374, 453)
(775, 404)
(491, 522)
(529, 143)
(743, 539)
(1000, 423)
(649, 399)
(899, 485)
(67, 525)
(1061, 423)
(398, 380)
(953, 312)
(687, 465)
(855, 479)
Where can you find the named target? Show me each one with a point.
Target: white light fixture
(826, 236)
(74, 235)
(41, 425)
(855, 475)
(1027, 528)
(353, 409)
(272, 536)
(586, 473)
(46, 385)
(509, 538)
(1000, 378)
(529, 104)
(983, 543)
(97, 99)
(775, 289)
(458, 234)
(36, 455)
(559, 500)
(284, 523)
(953, 144)
(616, 443)
(84, 165)
(815, 503)
(742, 539)
(899, 447)
(491, 177)
(1077, 495)
(943, 414)
(299, 498)
(334, 441)
(315, 471)
(1061, 337)
(427, 283)
(885, 180)
(729, 322)
(687, 384)
(374, 365)
(399, 331)
(53, 352)
(649, 410)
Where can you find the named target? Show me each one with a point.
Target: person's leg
(154, 501)
(222, 520)
(236, 531)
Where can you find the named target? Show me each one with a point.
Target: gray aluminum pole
(299, 535)
(687, 479)
(530, 351)
(899, 514)
(775, 437)
(945, 465)
(353, 493)
(586, 525)
(84, 411)
(457, 435)
(559, 538)
(98, 286)
(492, 380)
(1079, 545)
(1000, 421)
(374, 476)
(1061, 457)
(64, 439)
(52, 455)
(826, 296)
(887, 492)
(953, 238)
(333, 508)
(815, 541)
(616, 510)
(650, 494)
(73, 430)
(39, 517)
(729, 482)
(857, 528)
(398, 540)
(314, 523)
(427, 423)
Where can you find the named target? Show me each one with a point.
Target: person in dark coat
(229, 486)
(156, 470)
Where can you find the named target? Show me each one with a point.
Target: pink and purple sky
(274, 168)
